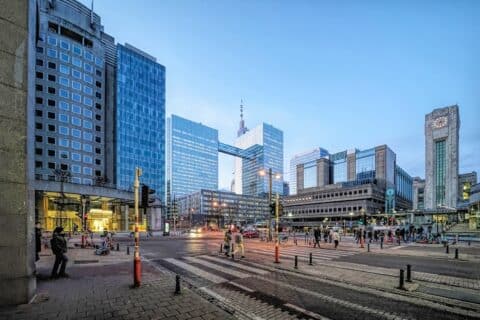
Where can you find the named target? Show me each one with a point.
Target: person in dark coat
(38, 240)
(317, 234)
(59, 248)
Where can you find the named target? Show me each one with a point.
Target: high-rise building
(192, 157)
(441, 157)
(308, 159)
(70, 93)
(418, 193)
(140, 119)
(265, 143)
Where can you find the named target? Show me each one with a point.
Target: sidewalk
(99, 287)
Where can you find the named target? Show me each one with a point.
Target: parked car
(251, 233)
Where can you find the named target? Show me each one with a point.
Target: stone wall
(17, 22)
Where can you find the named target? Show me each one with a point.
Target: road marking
(304, 311)
(219, 268)
(241, 287)
(199, 272)
(237, 265)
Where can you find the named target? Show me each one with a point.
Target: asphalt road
(448, 267)
(332, 300)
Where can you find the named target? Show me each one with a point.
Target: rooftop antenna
(242, 129)
(91, 15)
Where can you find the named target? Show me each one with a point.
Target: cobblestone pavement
(102, 290)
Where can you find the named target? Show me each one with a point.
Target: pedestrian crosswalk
(303, 253)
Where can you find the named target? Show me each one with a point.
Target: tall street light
(277, 176)
(351, 215)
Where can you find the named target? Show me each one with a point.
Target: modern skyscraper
(192, 157)
(441, 157)
(308, 159)
(140, 119)
(70, 93)
(265, 143)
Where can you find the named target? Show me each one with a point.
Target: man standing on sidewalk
(335, 238)
(317, 235)
(59, 248)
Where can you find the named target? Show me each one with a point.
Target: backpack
(238, 238)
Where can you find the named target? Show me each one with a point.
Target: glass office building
(271, 140)
(339, 167)
(308, 159)
(140, 119)
(192, 157)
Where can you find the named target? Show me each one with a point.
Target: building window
(99, 61)
(98, 151)
(87, 181)
(64, 93)
(77, 50)
(39, 113)
(88, 56)
(87, 147)
(87, 90)
(440, 171)
(38, 164)
(98, 161)
(51, 115)
(63, 130)
(88, 78)
(52, 65)
(98, 72)
(64, 69)
(76, 85)
(76, 97)
(51, 153)
(87, 124)
(76, 74)
(76, 121)
(98, 106)
(87, 136)
(98, 117)
(76, 133)
(98, 84)
(76, 167)
(87, 159)
(98, 128)
(76, 145)
(39, 75)
(64, 105)
(38, 151)
(76, 180)
(63, 117)
(51, 90)
(76, 109)
(98, 173)
(64, 57)
(87, 101)
(64, 143)
(38, 100)
(76, 157)
(52, 41)
(64, 166)
(76, 62)
(64, 81)
(98, 95)
(39, 62)
(51, 127)
(38, 126)
(51, 103)
(87, 171)
(63, 154)
(87, 113)
(51, 165)
(39, 50)
(52, 77)
(51, 140)
(52, 53)
(88, 67)
(38, 87)
(38, 139)
(98, 139)
(64, 45)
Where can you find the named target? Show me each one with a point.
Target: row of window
(74, 168)
(77, 50)
(63, 154)
(77, 180)
(66, 131)
(336, 209)
(333, 195)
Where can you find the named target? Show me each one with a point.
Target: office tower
(192, 157)
(140, 119)
(441, 157)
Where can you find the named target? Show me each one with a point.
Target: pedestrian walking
(306, 236)
(336, 238)
(317, 234)
(38, 240)
(325, 235)
(58, 244)
(330, 235)
(226, 242)
(239, 245)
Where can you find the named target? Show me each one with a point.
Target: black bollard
(177, 284)
(296, 262)
(221, 246)
(401, 282)
(118, 246)
(447, 250)
(368, 247)
(128, 250)
(310, 259)
(456, 253)
(409, 273)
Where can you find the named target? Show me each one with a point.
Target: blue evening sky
(335, 74)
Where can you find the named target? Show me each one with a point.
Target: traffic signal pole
(137, 273)
(277, 240)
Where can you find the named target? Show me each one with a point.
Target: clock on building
(440, 122)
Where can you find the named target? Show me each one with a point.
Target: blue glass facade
(303, 158)
(339, 167)
(192, 156)
(273, 156)
(403, 184)
(140, 119)
(365, 165)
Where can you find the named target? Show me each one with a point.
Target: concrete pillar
(17, 199)
(300, 178)
(125, 217)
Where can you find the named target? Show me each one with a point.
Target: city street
(342, 284)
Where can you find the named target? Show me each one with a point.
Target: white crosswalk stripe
(197, 271)
(302, 253)
(237, 265)
(217, 267)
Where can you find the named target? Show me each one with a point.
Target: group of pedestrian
(233, 243)
(330, 235)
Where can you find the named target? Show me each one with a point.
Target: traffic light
(147, 196)
(365, 219)
(272, 208)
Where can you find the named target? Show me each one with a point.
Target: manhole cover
(84, 261)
